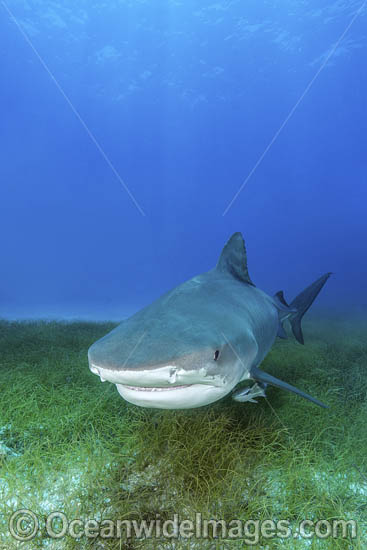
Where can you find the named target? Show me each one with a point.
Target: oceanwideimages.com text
(25, 525)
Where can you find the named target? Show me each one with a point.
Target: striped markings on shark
(194, 344)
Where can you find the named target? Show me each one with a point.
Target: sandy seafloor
(68, 484)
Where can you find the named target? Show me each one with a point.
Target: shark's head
(182, 351)
(152, 369)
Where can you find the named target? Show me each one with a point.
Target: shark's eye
(216, 354)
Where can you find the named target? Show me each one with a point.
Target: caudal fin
(302, 303)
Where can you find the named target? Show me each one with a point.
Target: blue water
(184, 101)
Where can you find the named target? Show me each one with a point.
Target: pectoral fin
(266, 378)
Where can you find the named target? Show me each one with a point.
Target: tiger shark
(194, 344)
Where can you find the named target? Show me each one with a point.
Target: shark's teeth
(141, 388)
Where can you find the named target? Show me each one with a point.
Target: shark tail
(266, 378)
(302, 303)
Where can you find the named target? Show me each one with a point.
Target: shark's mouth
(168, 388)
(160, 379)
(183, 396)
(161, 388)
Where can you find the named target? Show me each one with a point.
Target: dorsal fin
(280, 296)
(233, 259)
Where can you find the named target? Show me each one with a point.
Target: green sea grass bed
(72, 445)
